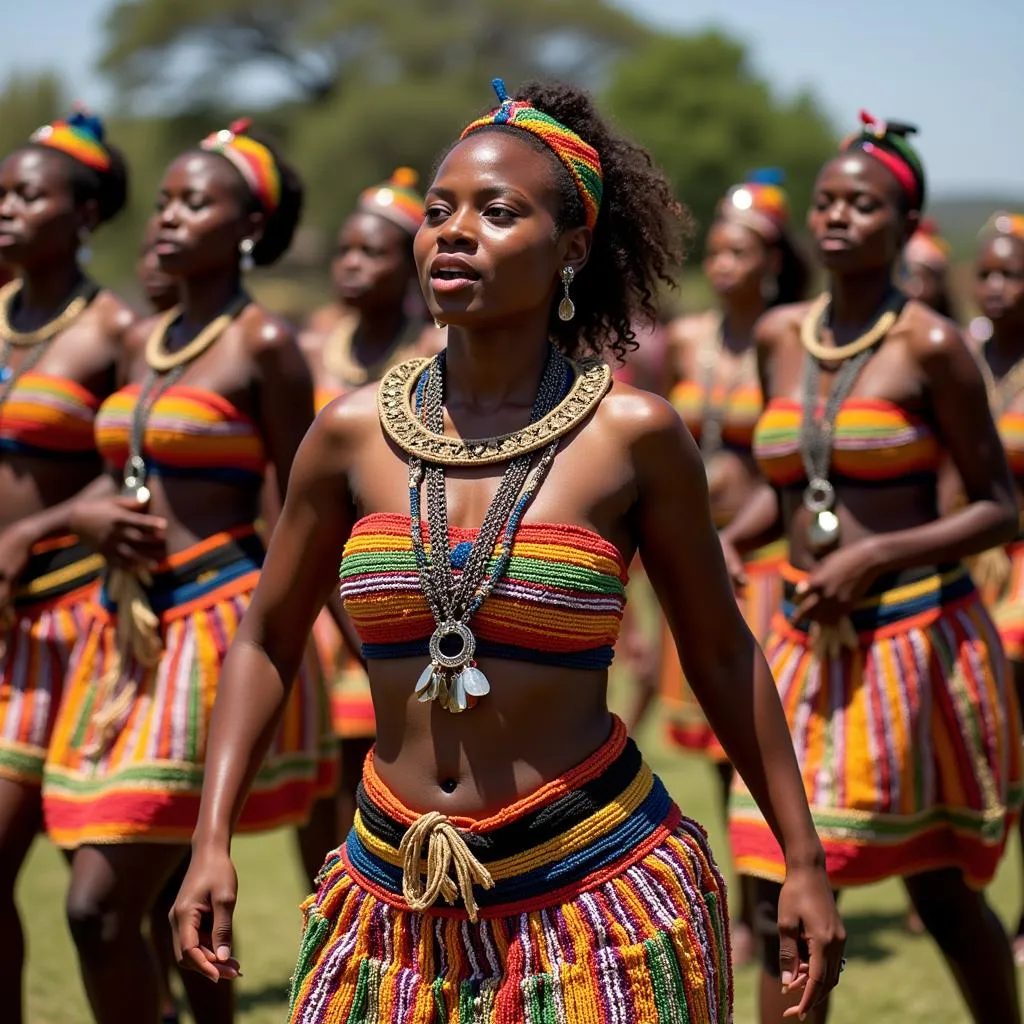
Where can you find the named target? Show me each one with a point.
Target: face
(856, 217)
(371, 267)
(489, 250)
(39, 221)
(999, 280)
(161, 289)
(736, 260)
(202, 215)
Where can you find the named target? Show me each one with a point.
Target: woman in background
(925, 270)
(60, 339)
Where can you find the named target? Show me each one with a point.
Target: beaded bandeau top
(874, 441)
(46, 415)
(560, 603)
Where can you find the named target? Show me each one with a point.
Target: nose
(7, 201)
(168, 215)
(837, 214)
(458, 231)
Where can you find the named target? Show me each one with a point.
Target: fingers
(223, 908)
(185, 936)
(789, 956)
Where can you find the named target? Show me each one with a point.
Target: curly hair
(639, 237)
(279, 228)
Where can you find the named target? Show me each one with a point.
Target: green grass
(891, 975)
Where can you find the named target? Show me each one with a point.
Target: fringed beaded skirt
(908, 740)
(591, 900)
(686, 725)
(49, 609)
(140, 779)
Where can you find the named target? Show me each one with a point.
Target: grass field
(891, 976)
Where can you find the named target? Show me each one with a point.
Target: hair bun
(405, 177)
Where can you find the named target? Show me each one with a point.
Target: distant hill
(960, 218)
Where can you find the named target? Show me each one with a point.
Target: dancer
(999, 293)
(890, 670)
(752, 264)
(60, 335)
(216, 388)
(925, 270)
(376, 323)
(574, 881)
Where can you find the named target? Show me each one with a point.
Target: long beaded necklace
(817, 433)
(36, 341)
(165, 370)
(452, 678)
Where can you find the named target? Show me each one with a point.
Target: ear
(574, 247)
(89, 215)
(911, 222)
(255, 224)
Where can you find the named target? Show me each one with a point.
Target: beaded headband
(1005, 224)
(80, 136)
(581, 160)
(760, 203)
(888, 145)
(251, 159)
(396, 200)
(928, 247)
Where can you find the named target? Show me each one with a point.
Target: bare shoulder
(263, 332)
(930, 336)
(136, 335)
(115, 316)
(347, 421)
(635, 415)
(780, 323)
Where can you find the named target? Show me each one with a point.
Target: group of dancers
(179, 662)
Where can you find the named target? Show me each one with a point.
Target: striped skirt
(909, 743)
(348, 686)
(1006, 603)
(686, 725)
(50, 604)
(141, 781)
(603, 905)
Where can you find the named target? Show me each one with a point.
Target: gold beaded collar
(400, 423)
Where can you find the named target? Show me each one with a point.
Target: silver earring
(769, 289)
(245, 247)
(440, 326)
(566, 309)
(84, 252)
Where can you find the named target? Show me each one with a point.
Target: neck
(738, 319)
(378, 329)
(46, 290)
(857, 299)
(492, 368)
(204, 297)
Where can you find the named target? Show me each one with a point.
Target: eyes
(26, 193)
(862, 202)
(497, 212)
(193, 201)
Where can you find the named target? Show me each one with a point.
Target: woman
(374, 325)
(59, 339)
(999, 293)
(925, 270)
(542, 822)
(215, 389)
(890, 671)
(752, 264)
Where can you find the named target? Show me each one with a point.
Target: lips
(452, 273)
(8, 238)
(835, 243)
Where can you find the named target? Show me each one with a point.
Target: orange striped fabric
(741, 413)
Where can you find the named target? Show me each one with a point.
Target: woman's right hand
(201, 916)
(120, 530)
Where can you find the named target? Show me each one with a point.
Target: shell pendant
(456, 691)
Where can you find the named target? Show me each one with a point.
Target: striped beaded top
(742, 409)
(873, 441)
(1011, 432)
(189, 433)
(46, 415)
(560, 602)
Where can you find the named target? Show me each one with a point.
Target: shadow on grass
(874, 936)
(271, 993)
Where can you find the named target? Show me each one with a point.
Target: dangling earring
(84, 252)
(566, 309)
(440, 326)
(245, 247)
(769, 289)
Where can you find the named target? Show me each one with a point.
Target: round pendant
(823, 531)
(819, 495)
(452, 645)
(134, 485)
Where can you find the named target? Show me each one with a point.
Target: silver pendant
(134, 485)
(819, 495)
(823, 531)
(451, 678)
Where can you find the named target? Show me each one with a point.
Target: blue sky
(951, 66)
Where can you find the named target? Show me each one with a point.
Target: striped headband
(1005, 224)
(887, 143)
(80, 136)
(396, 200)
(760, 203)
(581, 160)
(251, 159)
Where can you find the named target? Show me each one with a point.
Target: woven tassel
(991, 571)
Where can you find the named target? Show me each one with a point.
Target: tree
(708, 120)
(26, 103)
(192, 51)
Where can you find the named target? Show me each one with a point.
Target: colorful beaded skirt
(908, 742)
(686, 725)
(141, 781)
(594, 900)
(50, 603)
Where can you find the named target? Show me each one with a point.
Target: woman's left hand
(838, 582)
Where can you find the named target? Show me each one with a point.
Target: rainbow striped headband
(1005, 224)
(396, 200)
(581, 160)
(760, 203)
(80, 136)
(251, 159)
